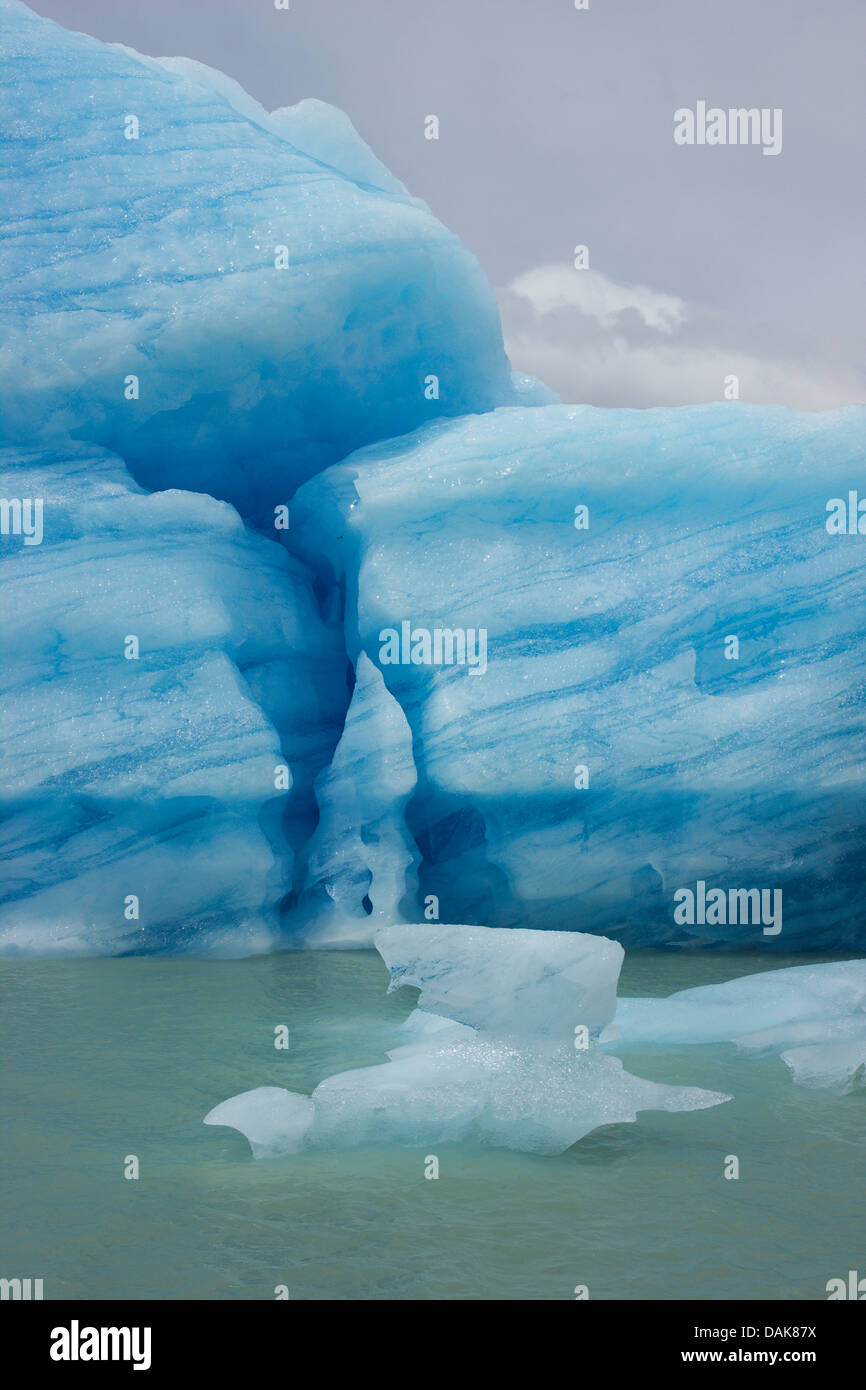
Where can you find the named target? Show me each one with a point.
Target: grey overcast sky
(556, 129)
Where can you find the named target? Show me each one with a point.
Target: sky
(556, 130)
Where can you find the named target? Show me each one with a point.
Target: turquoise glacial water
(108, 1058)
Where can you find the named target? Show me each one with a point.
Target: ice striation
(169, 694)
(668, 692)
(503, 1051)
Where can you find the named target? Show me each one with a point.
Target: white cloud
(598, 341)
(551, 288)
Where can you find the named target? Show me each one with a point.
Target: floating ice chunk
(516, 1080)
(813, 1016)
(273, 1120)
(772, 999)
(509, 983)
(492, 1092)
(837, 1066)
(361, 859)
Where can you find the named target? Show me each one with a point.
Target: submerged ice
(503, 1050)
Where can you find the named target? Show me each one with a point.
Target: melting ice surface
(490, 1054)
(814, 1016)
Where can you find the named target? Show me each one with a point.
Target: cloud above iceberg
(600, 341)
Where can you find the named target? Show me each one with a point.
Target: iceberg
(414, 640)
(628, 645)
(210, 302)
(229, 300)
(509, 1059)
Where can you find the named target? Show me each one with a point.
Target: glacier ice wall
(169, 694)
(613, 747)
(229, 301)
(499, 1062)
